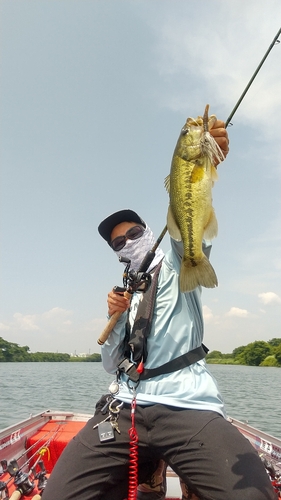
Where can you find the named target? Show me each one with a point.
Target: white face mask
(136, 250)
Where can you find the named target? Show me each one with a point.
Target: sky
(93, 97)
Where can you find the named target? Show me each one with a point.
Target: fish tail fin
(201, 275)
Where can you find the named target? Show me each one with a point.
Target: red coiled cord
(133, 460)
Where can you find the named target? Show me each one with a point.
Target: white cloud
(56, 313)
(57, 330)
(4, 327)
(184, 57)
(207, 314)
(236, 311)
(26, 322)
(269, 298)
(55, 319)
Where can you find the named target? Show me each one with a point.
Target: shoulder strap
(176, 364)
(137, 342)
(142, 323)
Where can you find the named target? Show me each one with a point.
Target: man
(176, 413)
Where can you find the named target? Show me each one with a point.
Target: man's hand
(219, 133)
(117, 302)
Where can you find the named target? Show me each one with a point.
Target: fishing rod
(36, 443)
(24, 485)
(22, 479)
(274, 42)
(151, 254)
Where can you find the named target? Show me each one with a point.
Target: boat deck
(48, 441)
(44, 437)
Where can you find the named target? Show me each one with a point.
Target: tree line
(9, 351)
(258, 353)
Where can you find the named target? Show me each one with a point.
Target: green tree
(239, 356)
(278, 355)
(214, 354)
(256, 352)
(269, 361)
(94, 357)
(13, 352)
(49, 356)
(275, 342)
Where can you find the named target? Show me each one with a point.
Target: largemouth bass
(191, 216)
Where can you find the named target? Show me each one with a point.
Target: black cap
(107, 225)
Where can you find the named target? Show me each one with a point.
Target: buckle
(129, 368)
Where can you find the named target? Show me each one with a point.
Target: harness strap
(136, 343)
(176, 364)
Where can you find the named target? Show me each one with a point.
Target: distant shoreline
(258, 353)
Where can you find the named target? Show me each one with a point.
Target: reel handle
(15, 495)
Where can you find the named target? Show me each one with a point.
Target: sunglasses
(134, 233)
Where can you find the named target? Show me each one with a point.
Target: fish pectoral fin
(201, 275)
(214, 174)
(167, 183)
(211, 229)
(172, 226)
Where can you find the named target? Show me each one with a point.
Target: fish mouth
(211, 149)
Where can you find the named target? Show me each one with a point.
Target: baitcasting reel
(133, 281)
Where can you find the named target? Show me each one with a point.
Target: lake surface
(251, 394)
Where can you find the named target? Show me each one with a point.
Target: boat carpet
(51, 440)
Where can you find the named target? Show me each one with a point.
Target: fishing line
(274, 42)
(150, 254)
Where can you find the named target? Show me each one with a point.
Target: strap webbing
(136, 342)
(142, 324)
(176, 364)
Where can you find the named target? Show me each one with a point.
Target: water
(251, 394)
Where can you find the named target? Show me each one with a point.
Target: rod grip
(15, 495)
(111, 323)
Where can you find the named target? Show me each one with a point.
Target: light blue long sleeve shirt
(177, 327)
